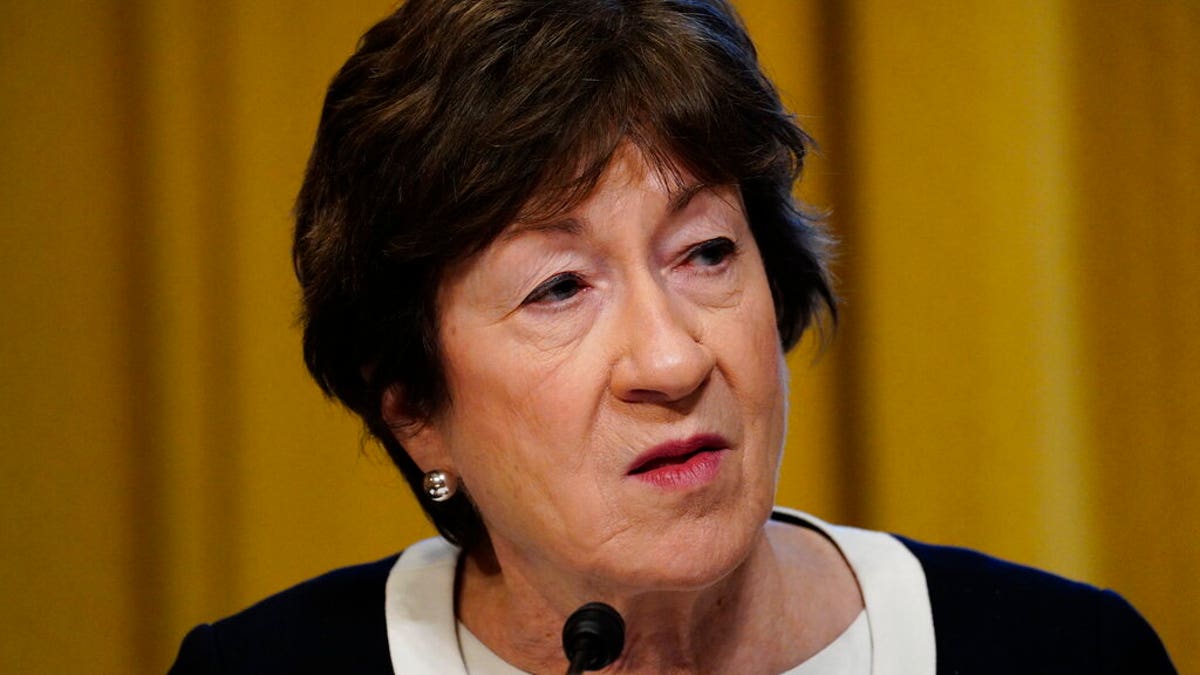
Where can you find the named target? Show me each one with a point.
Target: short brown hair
(455, 117)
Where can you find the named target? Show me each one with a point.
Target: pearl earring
(439, 485)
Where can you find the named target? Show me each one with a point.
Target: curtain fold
(1013, 185)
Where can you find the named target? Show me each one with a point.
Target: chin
(691, 556)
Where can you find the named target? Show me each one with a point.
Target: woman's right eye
(558, 288)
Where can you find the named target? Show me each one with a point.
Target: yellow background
(1014, 183)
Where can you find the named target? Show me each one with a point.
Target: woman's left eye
(713, 252)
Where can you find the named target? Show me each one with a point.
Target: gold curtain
(1013, 183)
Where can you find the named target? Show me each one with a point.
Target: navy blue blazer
(989, 616)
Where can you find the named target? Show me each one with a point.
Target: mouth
(684, 463)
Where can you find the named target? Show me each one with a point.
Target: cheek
(753, 339)
(516, 414)
(757, 371)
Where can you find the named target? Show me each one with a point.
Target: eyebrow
(680, 199)
(676, 202)
(566, 225)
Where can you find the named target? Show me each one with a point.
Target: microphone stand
(577, 663)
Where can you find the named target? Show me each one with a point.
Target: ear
(423, 439)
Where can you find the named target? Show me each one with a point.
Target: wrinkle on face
(534, 428)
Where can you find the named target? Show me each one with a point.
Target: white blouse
(892, 636)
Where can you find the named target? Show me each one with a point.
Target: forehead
(630, 172)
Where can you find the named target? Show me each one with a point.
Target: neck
(753, 619)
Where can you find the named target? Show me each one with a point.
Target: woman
(549, 254)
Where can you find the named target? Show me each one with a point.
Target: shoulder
(332, 623)
(995, 616)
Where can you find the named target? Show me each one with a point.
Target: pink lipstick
(681, 464)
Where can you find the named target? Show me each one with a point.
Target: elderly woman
(550, 256)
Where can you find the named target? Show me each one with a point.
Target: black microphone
(593, 637)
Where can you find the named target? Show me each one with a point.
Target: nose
(662, 358)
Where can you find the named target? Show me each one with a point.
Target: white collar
(419, 610)
(893, 587)
(419, 603)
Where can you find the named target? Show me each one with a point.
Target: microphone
(593, 637)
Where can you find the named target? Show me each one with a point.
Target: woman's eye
(557, 288)
(712, 252)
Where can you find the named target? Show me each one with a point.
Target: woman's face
(617, 386)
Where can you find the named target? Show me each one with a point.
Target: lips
(675, 455)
